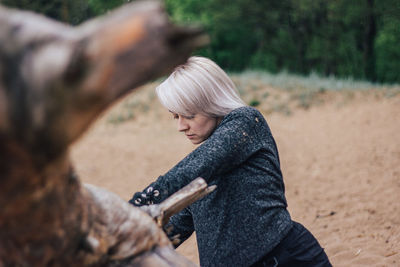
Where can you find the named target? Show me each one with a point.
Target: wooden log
(120, 230)
(55, 80)
(189, 194)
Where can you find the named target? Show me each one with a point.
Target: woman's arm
(239, 135)
(180, 227)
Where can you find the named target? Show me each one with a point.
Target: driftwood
(189, 194)
(54, 82)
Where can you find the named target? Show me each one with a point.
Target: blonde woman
(245, 221)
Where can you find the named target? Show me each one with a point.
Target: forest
(343, 38)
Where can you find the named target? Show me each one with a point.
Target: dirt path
(341, 165)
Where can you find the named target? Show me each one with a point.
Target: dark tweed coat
(246, 216)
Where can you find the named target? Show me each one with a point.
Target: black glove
(149, 196)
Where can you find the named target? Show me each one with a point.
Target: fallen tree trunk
(54, 81)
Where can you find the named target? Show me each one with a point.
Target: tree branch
(189, 194)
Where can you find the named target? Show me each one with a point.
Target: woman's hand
(147, 197)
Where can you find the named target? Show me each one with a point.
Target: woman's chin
(195, 141)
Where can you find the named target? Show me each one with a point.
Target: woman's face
(197, 128)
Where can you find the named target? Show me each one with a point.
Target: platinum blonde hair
(199, 86)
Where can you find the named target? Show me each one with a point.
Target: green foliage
(69, 11)
(342, 38)
(388, 52)
(254, 102)
(99, 7)
(345, 38)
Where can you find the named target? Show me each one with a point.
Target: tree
(330, 37)
(386, 46)
(69, 11)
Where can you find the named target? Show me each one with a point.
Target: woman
(244, 222)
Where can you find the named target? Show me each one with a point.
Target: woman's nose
(182, 124)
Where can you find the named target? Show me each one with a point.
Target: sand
(340, 160)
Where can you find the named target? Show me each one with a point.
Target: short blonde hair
(199, 86)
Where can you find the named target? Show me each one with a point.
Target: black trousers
(298, 248)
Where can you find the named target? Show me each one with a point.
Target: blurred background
(343, 38)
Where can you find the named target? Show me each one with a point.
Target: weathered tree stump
(54, 81)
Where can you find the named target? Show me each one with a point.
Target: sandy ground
(340, 160)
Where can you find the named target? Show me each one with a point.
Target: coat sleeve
(180, 227)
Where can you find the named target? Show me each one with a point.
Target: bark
(55, 80)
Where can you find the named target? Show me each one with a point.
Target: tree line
(345, 38)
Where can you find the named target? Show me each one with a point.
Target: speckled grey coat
(246, 216)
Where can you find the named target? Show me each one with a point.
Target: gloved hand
(148, 197)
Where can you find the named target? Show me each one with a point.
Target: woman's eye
(189, 117)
